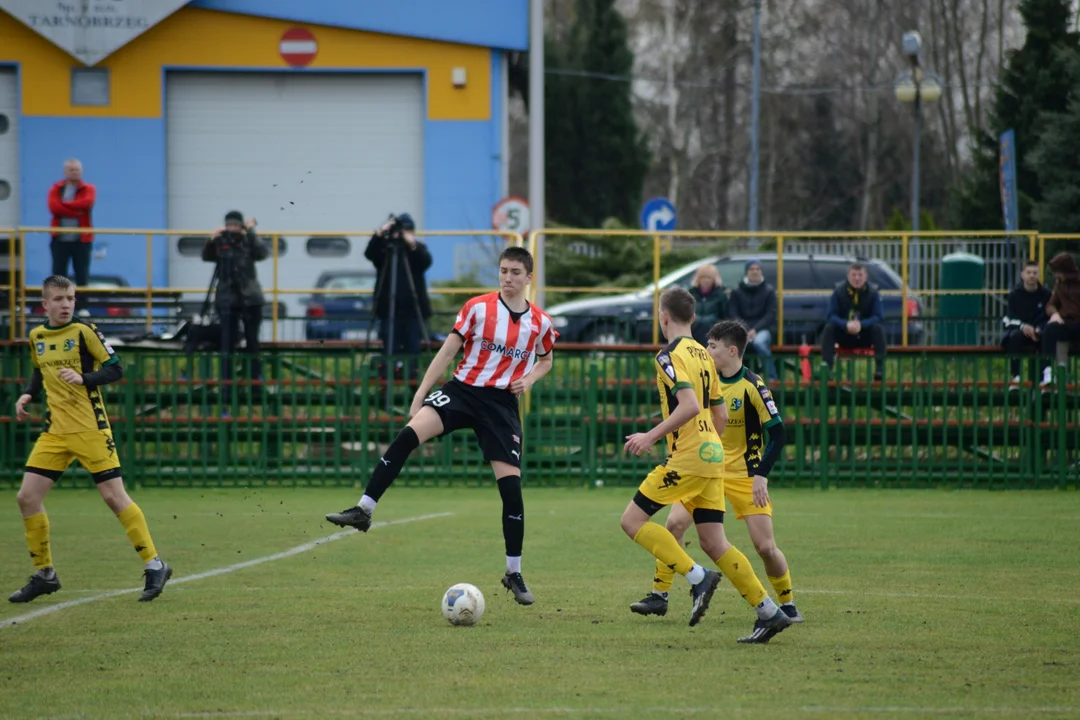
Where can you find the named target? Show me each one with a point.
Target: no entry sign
(298, 47)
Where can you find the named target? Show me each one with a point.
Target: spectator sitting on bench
(710, 300)
(754, 304)
(855, 319)
(1024, 321)
(1063, 310)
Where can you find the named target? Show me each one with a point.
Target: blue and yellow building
(312, 115)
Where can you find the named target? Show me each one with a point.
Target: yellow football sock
(664, 547)
(663, 578)
(782, 586)
(37, 539)
(737, 569)
(134, 524)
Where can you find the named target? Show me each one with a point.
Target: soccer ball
(463, 604)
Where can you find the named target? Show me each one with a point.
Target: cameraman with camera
(401, 297)
(238, 297)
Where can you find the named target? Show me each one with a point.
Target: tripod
(391, 268)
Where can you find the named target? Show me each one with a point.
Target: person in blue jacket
(855, 319)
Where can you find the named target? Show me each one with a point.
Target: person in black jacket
(754, 304)
(1025, 318)
(855, 319)
(235, 249)
(403, 288)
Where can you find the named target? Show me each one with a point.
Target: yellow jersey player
(692, 473)
(71, 362)
(748, 460)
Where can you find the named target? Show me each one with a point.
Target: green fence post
(1062, 446)
(128, 387)
(592, 398)
(365, 421)
(823, 425)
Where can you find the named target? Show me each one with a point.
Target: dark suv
(810, 278)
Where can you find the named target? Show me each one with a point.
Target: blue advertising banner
(1007, 163)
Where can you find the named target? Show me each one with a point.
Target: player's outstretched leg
(426, 425)
(156, 572)
(513, 524)
(656, 602)
(36, 525)
(776, 565)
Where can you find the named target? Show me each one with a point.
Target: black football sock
(389, 465)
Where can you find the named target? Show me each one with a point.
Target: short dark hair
(731, 333)
(857, 265)
(1031, 263)
(56, 281)
(518, 254)
(679, 304)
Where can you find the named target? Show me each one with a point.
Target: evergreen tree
(1055, 159)
(1035, 81)
(596, 159)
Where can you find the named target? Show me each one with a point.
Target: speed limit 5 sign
(511, 215)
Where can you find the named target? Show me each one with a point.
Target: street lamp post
(916, 86)
(755, 111)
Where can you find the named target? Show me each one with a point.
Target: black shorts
(491, 413)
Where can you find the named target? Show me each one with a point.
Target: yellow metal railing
(17, 326)
(896, 249)
(932, 245)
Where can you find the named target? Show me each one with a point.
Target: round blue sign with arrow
(658, 214)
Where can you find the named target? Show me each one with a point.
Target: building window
(90, 87)
(328, 246)
(192, 245)
(282, 246)
(5, 124)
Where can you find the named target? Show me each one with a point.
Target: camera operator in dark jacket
(402, 288)
(855, 319)
(239, 297)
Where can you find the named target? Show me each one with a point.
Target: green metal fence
(322, 418)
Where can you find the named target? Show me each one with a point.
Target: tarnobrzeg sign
(90, 30)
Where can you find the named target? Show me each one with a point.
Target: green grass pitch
(918, 604)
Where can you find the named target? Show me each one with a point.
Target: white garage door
(9, 149)
(298, 152)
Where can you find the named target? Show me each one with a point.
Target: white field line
(50, 609)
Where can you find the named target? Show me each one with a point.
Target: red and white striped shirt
(500, 349)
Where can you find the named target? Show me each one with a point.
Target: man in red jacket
(71, 202)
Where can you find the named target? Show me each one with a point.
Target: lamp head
(911, 45)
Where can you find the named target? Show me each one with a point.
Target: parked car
(341, 316)
(629, 317)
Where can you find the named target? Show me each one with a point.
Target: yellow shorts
(94, 449)
(667, 487)
(740, 492)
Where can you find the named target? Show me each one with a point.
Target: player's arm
(541, 368)
(30, 393)
(33, 388)
(545, 348)
(687, 410)
(439, 364)
(771, 421)
(111, 370)
(719, 417)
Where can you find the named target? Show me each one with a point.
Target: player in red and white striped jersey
(508, 345)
